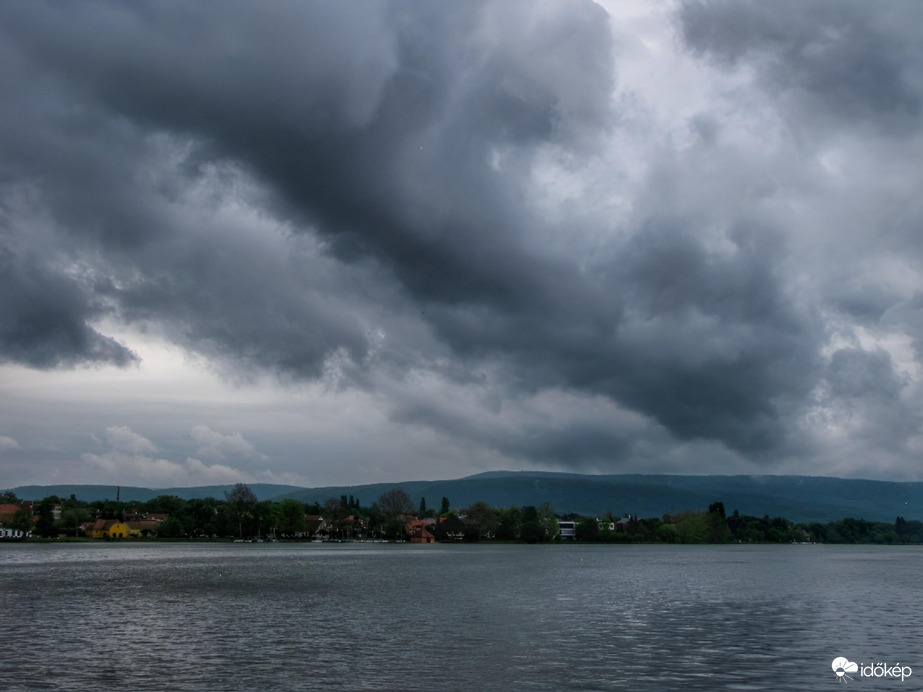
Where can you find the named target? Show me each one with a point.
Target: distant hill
(94, 493)
(799, 498)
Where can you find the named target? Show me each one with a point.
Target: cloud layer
(556, 234)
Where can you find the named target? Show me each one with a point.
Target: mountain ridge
(799, 498)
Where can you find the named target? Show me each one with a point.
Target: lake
(272, 616)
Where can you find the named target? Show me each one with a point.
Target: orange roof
(420, 532)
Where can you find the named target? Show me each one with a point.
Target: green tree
(718, 531)
(588, 529)
(167, 504)
(444, 508)
(171, 527)
(71, 519)
(422, 508)
(201, 514)
(779, 530)
(45, 525)
(483, 517)
(692, 527)
(548, 520)
(266, 517)
(292, 518)
(510, 521)
(376, 520)
(314, 508)
(333, 514)
(394, 502)
(73, 503)
(667, 533)
(224, 521)
(21, 521)
(394, 528)
(908, 531)
(532, 532)
(241, 502)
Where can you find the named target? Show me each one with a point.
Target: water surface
(110, 616)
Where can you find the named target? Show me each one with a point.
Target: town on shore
(241, 517)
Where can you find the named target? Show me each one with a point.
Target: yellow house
(108, 528)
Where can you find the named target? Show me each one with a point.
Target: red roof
(420, 533)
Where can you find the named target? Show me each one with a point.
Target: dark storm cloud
(44, 318)
(853, 373)
(849, 61)
(709, 346)
(350, 114)
(863, 387)
(273, 187)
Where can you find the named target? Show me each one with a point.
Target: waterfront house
(7, 512)
(451, 528)
(315, 526)
(14, 534)
(354, 527)
(108, 528)
(567, 530)
(419, 534)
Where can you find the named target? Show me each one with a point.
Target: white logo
(841, 666)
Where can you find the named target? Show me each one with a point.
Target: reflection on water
(357, 617)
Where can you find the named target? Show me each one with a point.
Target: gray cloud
(360, 193)
(46, 318)
(848, 61)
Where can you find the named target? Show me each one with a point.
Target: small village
(240, 517)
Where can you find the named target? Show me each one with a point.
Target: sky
(328, 243)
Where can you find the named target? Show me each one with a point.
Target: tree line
(714, 526)
(240, 514)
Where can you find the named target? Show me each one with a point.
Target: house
(567, 530)
(11, 533)
(354, 527)
(451, 528)
(7, 512)
(315, 526)
(419, 534)
(109, 528)
(135, 514)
